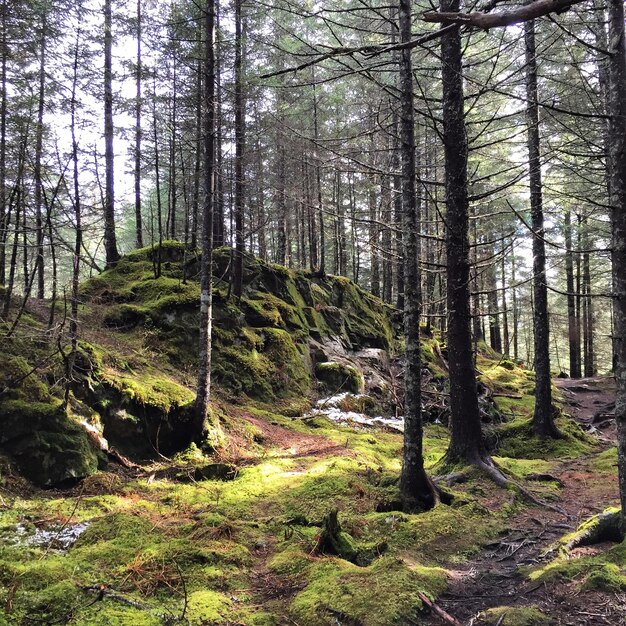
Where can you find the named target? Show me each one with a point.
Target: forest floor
(498, 576)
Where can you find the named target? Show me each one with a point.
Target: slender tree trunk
(138, 103)
(505, 314)
(573, 334)
(157, 178)
(38, 157)
(4, 209)
(417, 490)
(110, 240)
(495, 333)
(374, 231)
(17, 194)
(219, 213)
(78, 241)
(589, 352)
(341, 228)
(173, 173)
(543, 421)
(617, 165)
(240, 138)
(195, 201)
(318, 180)
(200, 426)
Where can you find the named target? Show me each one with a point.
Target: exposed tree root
(603, 527)
(501, 477)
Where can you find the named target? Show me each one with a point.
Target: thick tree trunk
(466, 442)
(417, 490)
(617, 167)
(543, 422)
(110, 240)
(200, 426)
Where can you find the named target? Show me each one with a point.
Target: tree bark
(416, 488)
(466, 442)
(39, 260)
(617, 165)
(4, 209)
(200, 424)
(110, 240)
(543, 422)
(240, 131)
(572, 325)
(138, 103)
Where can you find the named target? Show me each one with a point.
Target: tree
(617, 168)
(240, 130)
(417, 490)
(543, 421)
(110, 240)
(199, 425)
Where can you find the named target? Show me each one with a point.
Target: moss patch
(515, 616)
(384, 593)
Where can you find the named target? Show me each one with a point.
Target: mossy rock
(514, 616)
(48, 447)
(337, 377)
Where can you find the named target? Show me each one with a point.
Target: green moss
(207, 607)
(515, 616)
(109, 612)
(516, 439)
(48, 446)
(18, 381)
(150, 390)
(384, 593)
(337, 377)
(606, 462)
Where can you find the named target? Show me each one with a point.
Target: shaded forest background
(307, 162)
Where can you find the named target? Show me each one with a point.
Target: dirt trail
(493, 578)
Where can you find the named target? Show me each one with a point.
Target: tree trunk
(4, 209)
(416, 488)
(239, 154)
(110, 240)
(138, 103)
(466, 442)
(572, 326)
(543, 422)
(617, 165)
(38, 156)
(200, 425)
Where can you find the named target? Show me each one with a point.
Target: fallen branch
(444, 615)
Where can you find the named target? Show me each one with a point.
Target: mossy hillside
(261, 341)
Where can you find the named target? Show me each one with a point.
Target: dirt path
(494, 577)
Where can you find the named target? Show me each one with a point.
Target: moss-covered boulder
(47, 445)
(338, 378)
